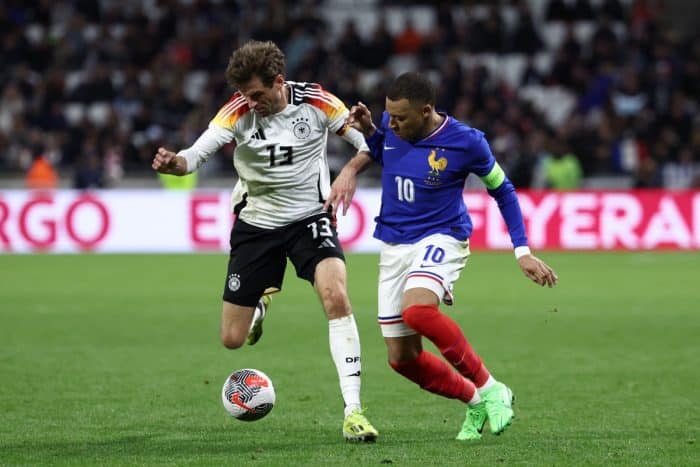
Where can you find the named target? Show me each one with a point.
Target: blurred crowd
(89, 89)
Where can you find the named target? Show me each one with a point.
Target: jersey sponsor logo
(437, 164)
(327, 243)
(234, 282)
(301, 128)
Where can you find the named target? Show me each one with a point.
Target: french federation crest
(436, 166)
(301, 128)
(234, 282)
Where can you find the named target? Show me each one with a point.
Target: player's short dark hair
(414, 87)
(255, 58)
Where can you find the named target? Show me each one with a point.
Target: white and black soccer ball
(248, 394)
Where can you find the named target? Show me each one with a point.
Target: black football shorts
(258, 256)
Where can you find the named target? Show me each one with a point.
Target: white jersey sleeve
(220, 132)
(207, 144)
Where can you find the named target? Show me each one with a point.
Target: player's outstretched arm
(168, 162)
(538, 271)
(345, 184)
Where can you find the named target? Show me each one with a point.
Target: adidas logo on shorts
(327, 243)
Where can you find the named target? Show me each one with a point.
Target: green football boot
(498, 400)
(473, 423)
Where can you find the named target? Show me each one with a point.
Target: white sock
(489, 382)
(476, 398)
(344, 341)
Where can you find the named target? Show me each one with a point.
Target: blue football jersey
(422, 183)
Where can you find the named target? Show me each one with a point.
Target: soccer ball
(248, 394)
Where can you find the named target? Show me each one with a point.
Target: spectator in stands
(604, 43)
(380, 47)
(613, 9)
(582, 11)
(560, 170)
(409, 41)
(681, 175)
(523, 169)
(488, 35)
(571, 46)
(89, 170)
(525, 38)
(648, 175)
(350, 44)
(558, 10)
(173, 182)
(41, 174)
(88, 173)
(531, 74)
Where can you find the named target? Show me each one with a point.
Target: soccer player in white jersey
(424, 224)
(280, 129)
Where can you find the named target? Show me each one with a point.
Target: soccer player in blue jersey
(425, 227)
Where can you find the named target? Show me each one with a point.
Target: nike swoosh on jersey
(389, 148)
(429, 265)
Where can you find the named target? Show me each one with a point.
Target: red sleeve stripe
(231, 106)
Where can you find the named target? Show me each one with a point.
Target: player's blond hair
(255, 58)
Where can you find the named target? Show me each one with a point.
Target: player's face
(262, 99)
(406, 120)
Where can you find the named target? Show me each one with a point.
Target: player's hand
(342, 191)
(165, 162)
(538, 271)
(360, 118)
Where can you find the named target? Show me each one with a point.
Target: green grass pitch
(115, 360)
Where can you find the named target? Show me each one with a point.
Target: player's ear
(427, 110)
(279, 80)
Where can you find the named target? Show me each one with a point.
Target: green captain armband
(494, 178)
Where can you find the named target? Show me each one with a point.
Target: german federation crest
(301, 128)
(234, 282)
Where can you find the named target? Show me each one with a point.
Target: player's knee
(415, 314)
(232, 341)
(399, 356)
(411, 316)
(335, 303)
(399, 363)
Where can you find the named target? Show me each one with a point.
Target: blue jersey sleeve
(376, 141)
(485, 166)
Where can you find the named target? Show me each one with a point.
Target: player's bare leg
(235, 324)
(344, 340)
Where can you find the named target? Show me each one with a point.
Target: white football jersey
(281, 158)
